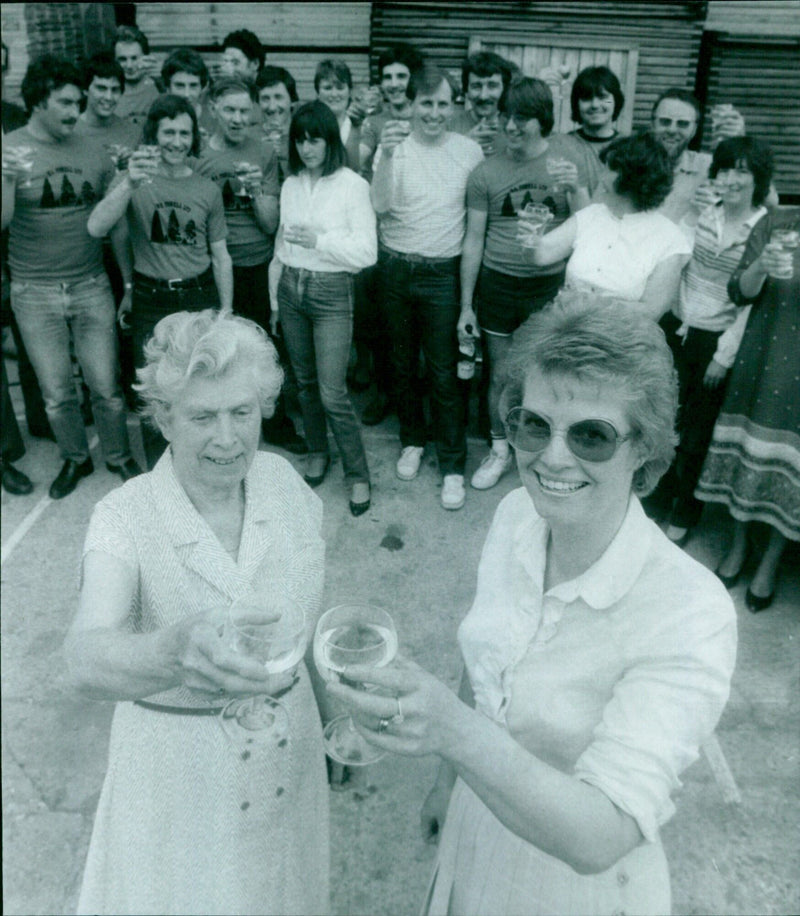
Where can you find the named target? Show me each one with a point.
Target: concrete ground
(419, 561)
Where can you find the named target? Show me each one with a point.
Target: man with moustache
(419, 194)
(59, 288)
(485, 77)
(130, 48)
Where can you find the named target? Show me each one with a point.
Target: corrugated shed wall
(666, 34)
(762, 81)
(778, 18)
(296, 35)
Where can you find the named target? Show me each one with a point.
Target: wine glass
(271, 630)
(242, 170)
(784, 242)
(352, 634)
(533, 218)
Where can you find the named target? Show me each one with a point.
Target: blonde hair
(207, 344)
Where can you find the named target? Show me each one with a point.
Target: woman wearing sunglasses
(598, 655)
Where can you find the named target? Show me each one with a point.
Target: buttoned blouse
(338, 208)
(616, 676)
(616, 255)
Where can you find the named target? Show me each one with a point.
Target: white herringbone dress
(186, 822)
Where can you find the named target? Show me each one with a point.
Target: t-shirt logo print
(68, 196)
(174, 235)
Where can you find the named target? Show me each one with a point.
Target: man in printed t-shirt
(245, 169)
(498, 281)
(51, 180)
(104, 82)
(131, 48)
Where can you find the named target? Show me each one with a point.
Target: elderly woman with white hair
(189, 820)
(598, 654)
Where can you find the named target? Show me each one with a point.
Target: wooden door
(558, 61)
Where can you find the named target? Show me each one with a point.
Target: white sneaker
(409, 461)
(491, 470)
(453, 493)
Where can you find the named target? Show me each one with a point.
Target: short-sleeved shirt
(428, 206)
(48, 239)
(372, 128)
(501, 185)
(616, 255)
(616, 676)
(464, 121)
(248, 244)
(135, 101)
(119, 131)
(172, 222)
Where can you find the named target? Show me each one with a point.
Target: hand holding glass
(144, 162)
(533, 219)
(563, 172)
(272, 631)
(18, 160)
(779, 251)
(352, 634)
(245, 173)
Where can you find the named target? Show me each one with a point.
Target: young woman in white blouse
(326, 235)
(622, 246)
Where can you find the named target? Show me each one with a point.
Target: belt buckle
(170, 283)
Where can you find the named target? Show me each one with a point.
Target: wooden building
(725, 50)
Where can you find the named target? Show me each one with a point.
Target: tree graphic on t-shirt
(190, 233)
(508, 208)
(68, 196)
(87, 193)
(527, 199)
(174, 229)
(48, 198)
(156, 230)
(228, 197)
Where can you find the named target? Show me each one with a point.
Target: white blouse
(616, 255)
(617, 676)
(338, 208)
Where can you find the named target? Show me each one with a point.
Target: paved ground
(409, 555)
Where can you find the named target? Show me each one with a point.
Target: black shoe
(41, 432)
(376, 411)
(287, 438)
(360, 507)
(14, 481)
(729, 581)
(757, 603)
(127, 470)
(319, 468)
(69, 477)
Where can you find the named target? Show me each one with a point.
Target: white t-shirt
(616, 255)
(429, 185)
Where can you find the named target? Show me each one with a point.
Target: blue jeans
(47, 313)
(316, 310)
(420, 301)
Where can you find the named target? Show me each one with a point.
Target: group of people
(256, 238)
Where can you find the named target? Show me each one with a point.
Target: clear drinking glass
(533, 219)
(352, 634)
(241, 170)
(271, 630)
(23, 158)
(787, 240)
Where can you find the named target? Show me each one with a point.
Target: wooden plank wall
(761, 80)
(296, 35)
(15, 36)
(775, 18)
(667, 35)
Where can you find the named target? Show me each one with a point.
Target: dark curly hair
(129, 34)
(45, 75)
(401, 53)
(248, 43)
(272, 75)
(170, 106)
(589, 83)
(487, 63)
(104, 66)
(185, 60)
(643, 169)
(751, 154)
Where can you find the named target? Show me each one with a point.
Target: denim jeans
(150, 305)
(316, 310)
(420, 301)
(46, 314)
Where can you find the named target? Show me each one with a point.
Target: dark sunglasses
(589, 440)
